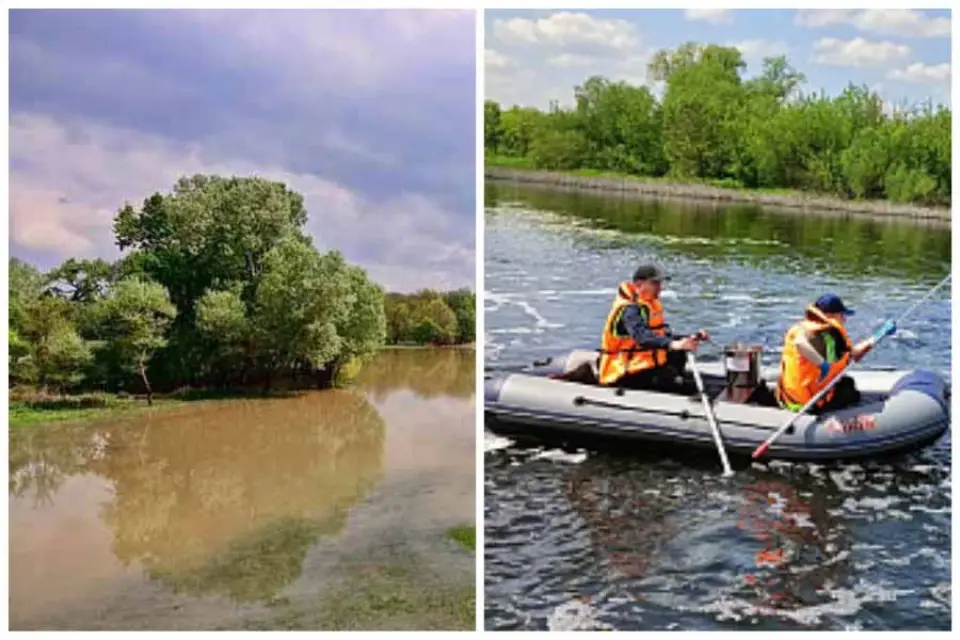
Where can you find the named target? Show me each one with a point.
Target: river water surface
(580, 540)
(326, 510)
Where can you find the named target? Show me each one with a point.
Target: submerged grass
(31, 412)
(382, 598)
(32, 407)
(465, 535)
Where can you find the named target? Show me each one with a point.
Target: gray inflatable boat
(899, 411)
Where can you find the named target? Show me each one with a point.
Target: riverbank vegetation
(465, 535)
(219, 287)
(713, 125)
(431, 317)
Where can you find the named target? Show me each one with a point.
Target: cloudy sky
(369, 115)
(533, 57)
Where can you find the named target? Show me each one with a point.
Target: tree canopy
(713, 123)
(431, 317)
(219, 285)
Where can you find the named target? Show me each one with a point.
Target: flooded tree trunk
(142, 369)
(326, 376)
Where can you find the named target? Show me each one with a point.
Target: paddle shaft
(711, 419)
(813, 401)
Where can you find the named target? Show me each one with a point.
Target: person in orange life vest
(815, 350)
(638, 349)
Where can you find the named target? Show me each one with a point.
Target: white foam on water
(737, 297)
(735, 319)
(541, 322)
(845, 602)
(584, 292)
(575, 616)
(510, 330)
(559, 455)
(925, 509)
(493, 442)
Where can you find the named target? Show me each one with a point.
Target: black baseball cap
(831, 303)
(649, 272)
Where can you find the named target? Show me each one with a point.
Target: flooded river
(326, 510)
(582, 540)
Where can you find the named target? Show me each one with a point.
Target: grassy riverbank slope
(499, 168)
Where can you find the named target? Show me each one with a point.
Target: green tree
(491, 126)
(62, 357)
(700, 108)
(134, 316)
(222, 320)
(82, 281)
(208, 234)
(714, 124)
(437, 324)
(463, 303)
(25, 285)
(517, 129)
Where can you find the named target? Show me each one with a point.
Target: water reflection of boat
(900, 411)
(220, 497)
(803, 549)
(664, 550)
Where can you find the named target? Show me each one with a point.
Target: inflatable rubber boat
(899, 411)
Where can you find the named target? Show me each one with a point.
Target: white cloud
(858, 52)
(566, 29)
(68, 178)
(757, 49)
(920, 73)
(553, 54)
(716, 16)
(817, 18)
(571, 61)
(494, 60)
(895, 22)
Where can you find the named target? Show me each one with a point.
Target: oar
(813, 401)
(710, 417)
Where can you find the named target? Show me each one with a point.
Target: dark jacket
(635, 323)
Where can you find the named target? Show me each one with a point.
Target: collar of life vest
(818, 316)
(629, 291)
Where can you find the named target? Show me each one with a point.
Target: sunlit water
(580, 540)
(219, 515)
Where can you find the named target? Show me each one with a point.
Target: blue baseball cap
(831, 303)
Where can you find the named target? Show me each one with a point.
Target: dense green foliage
(713, 124)
(219, 287)
(431, 317)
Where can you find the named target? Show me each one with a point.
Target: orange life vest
(619, 353)
(799, 378)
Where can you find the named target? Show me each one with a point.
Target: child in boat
(815, 351)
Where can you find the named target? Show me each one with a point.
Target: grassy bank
(31, 407)
(464, 535)
(521, 170)
(379, 598)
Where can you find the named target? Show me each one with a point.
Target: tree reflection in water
(222, 497)
(429, 373)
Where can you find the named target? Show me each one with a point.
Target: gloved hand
(824, 370)
(888, 329)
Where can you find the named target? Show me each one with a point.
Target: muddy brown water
(260, 513)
